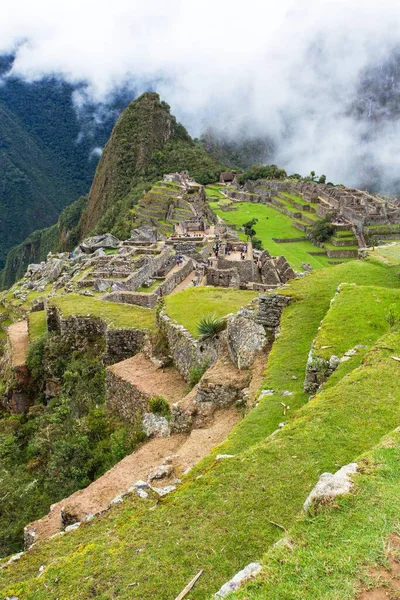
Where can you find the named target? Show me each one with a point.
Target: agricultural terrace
(273, 224)
(189, 306)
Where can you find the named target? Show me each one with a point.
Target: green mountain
(146, 142)
(46, 159)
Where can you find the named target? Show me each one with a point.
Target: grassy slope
(272, 223)
(357, 316)
(122, 316)
(188, 306)
(221, 521)
(335, 549)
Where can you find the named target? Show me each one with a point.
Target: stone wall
(245, 268)
(149, 300)
(123, 343)
(150, 268)
(187, 352)
(222, 277)
(270, 310)
(79, 332)
(124, 399)
(139, 298)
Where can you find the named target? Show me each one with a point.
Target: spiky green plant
(210, 325)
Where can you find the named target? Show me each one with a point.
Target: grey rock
(245, 339)
(106, 240)
(334, 362)
(72, 527)
(252, 570)
(155, 425)
(165, 490)
(329, 486)
(53, 269)
(266, 393)
(116, 500)
(142, 494)
(101, 285)
(160, 472)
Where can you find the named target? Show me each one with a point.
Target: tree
(249, 228)
(322, 179)
(312, 175)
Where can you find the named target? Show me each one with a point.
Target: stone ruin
(357, 208)
(257, 271)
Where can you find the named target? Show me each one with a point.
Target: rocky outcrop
(274, 270)
(106, 240)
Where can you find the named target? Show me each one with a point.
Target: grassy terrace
(368, 306)
(389, 254)
(225, 519)
(118, 316)
(188, 306)
(274, 224)
(37, 325)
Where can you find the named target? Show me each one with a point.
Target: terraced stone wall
(187, 352)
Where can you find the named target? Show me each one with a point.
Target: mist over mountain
(47, 152)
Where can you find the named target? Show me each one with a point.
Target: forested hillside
(46, 159)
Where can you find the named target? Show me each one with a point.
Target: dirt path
(187, 282)
(19, 340)
(189, 449)
(149, 379)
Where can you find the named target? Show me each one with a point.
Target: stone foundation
(125, 399)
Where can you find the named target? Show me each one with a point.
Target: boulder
(53, 269)
(245, 339)
(106, 240)
(329, 486)
(155, 425)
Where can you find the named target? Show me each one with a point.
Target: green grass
(274, 224)
(188, 306)
(368, 307)
(213, 191)
(150, 288)
(389, 253)
(117, 316)
(336, 549)
(330, 246)
(37, 325)
(224, 519)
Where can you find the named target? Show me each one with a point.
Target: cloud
(289, 70)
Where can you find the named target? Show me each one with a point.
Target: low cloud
(286, 70)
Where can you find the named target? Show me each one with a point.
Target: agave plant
(210, 325)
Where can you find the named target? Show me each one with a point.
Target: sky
(288, 70)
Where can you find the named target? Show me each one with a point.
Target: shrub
(322, 230)
(210, 325)
(392, 316)
(159, 406)
(35, 356)
(257, 243)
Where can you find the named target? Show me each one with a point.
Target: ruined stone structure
(345, 205)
